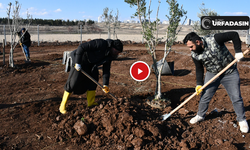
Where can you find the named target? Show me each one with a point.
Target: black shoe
(27, 61)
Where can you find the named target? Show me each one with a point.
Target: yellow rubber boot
(62, 108)
(91, 98)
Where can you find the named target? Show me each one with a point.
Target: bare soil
(31, 95)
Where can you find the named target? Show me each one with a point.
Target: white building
(165, 22)
(132, 21)
(99, 19)
(126, 21)
(188, 22)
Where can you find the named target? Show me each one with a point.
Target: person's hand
(105, 89)
(77, 67)
(239, 56)
(21, 44)
(197, 89)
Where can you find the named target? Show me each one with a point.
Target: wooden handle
(91, 78)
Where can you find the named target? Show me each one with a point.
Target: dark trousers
(26, 51)
(231, 83)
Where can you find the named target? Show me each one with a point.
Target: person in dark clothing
(25, 42)
(210, 52)
(88, 56)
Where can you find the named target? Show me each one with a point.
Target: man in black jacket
(88, 56)
(25, 42)
(210, 52)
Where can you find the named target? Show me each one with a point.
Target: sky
(92, 9)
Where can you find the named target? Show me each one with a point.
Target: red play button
(139, 71)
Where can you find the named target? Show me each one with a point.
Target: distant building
(126, 21)
(132, 21)
(99, 19)
(188, 22)
(192, 23)
(165, 22)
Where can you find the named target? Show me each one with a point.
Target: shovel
(166, 116)
(91, 78)
(23, 51)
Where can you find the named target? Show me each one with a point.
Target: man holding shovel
(87, 57)
(25, 43)
(210, 52)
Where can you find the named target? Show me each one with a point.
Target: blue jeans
(231, 83)
(26, 51)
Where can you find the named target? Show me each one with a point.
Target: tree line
(51, 22)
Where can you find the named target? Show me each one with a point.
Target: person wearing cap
(88, 56)
(25, 42)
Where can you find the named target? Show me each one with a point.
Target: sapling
(197, 25)
(109, 20)
(150, 33)
(14, 23)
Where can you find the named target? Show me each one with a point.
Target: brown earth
(31, 94)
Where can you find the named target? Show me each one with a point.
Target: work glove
(77, 67)
(21, 44)
(197, 89)
(239, 56)
(105, 89)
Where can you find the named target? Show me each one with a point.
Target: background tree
(108, 19)
(150, 32)
(197, 24)
(14, 24)
(116, 24)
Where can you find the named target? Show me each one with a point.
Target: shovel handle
(205, 85)
(91, 78)
(23, 50)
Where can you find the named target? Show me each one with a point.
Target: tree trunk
(108, 32)
(114, 34)
(11, 62)
(158, 86)
(158, 76)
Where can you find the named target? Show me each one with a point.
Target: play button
(139, 71)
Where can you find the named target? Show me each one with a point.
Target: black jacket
(95, 53)
(25, 39)
(220, 38)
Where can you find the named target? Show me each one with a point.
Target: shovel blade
(166, 116)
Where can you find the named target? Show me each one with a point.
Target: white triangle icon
(139, 71)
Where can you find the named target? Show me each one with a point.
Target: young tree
(150, 33)
(197, 25)
(116, 24)
(15, 25)
(109, 19)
